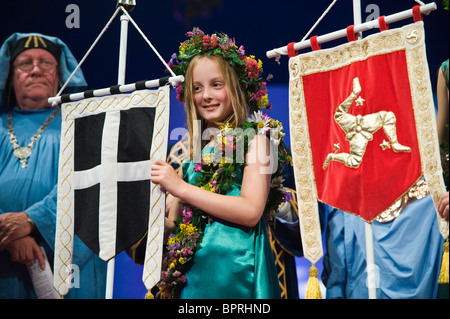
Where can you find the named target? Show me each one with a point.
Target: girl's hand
(164, 175)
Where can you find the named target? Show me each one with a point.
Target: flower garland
(217, 174)
(247, 67)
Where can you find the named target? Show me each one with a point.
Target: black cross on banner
(112, 178)
(105, 195)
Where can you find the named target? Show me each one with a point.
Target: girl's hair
(235, 92)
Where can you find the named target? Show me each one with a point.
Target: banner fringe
(313, 287)
(443, 276)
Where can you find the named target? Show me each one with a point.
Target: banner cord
(98, 38)
(277, 58)
(89, 51)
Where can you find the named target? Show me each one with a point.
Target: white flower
(262, 121)
(276, 134)
(277, 182)
(223, 132)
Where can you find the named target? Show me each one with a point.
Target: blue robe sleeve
(334, 276)
(43, 213)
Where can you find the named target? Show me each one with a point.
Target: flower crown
(249, 70)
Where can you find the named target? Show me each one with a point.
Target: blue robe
(34, 190)
(408, 254)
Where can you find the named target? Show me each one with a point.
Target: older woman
(34, 66)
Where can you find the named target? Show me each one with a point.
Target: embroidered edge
(64, 233)
(303, 167)
(155, 237)
(425, 119)
(409, 38)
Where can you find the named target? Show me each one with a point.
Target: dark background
(258, 25)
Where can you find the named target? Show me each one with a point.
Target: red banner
(363, 136)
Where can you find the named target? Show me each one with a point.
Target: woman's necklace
(22, 153)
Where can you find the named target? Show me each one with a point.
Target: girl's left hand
(164, 175)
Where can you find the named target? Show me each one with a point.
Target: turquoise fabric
(234, 261)
(34, 190)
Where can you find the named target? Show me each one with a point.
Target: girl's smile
(211, 96)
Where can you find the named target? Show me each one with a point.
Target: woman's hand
(13, 226)
(25, 250)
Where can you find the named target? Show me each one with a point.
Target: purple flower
(187, 251)
(174, 246)
(198, 167)
(287, 196)
(241, 50)
(187, 212)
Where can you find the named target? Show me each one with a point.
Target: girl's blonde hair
(235, 92)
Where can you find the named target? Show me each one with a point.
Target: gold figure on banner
(360, 129)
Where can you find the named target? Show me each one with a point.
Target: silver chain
(22, 153)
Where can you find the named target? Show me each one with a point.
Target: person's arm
(443, 206)
(169, 221)
(245, 209)
(43, 215)
(13, 226)
(25, 250)
(443, 106)
(334, 261)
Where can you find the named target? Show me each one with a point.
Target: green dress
(234, 261)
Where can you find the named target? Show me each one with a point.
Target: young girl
(219, 247)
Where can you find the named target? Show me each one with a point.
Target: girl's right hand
(165, 175)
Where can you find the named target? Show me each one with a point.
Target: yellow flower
(187, 230)
(263, 102)
(207, 159)
(172, 241)
(289, 159)
(259, 64)
(172, 265)
(181, 260)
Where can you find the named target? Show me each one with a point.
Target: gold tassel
(443, 277)
(313, 287)
(149, 295)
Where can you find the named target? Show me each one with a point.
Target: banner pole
(370, 260)
(370, 255)
(120, 81)
(426, 9)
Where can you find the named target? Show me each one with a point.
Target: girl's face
(211, 97)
